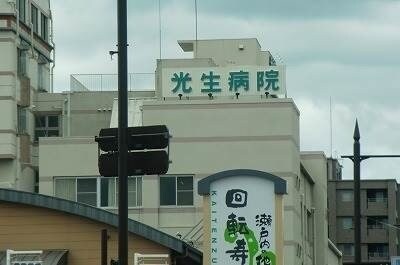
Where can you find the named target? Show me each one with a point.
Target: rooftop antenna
(330, 123)
(195, 11)
(159, 24)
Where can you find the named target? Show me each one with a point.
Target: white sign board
(223, 81)
(242, 221)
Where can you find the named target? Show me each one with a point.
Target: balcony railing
(372, 199)
(109, 82)
(378, 254)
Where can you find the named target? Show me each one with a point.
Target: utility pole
(357, 158)
(357, 199)
(122, 133)
(133, 151)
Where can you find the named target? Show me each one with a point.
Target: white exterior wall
(15, 172)
(211, 136)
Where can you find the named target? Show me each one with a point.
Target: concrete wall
(316, 165)
(81, 113)
(229, 52)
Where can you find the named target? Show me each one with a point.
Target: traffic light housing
(148, 152)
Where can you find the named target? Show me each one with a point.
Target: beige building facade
(211, 133)
(26, 60)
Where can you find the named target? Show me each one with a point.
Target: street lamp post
(357, 158)
(122, 133)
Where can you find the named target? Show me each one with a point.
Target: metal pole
(357, 210)
(104, 238)
(159, 25)
(122, 133)
(195, 11)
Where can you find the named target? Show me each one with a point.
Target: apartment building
(25, 69)
(379, 219)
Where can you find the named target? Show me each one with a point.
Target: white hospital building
(214, 104)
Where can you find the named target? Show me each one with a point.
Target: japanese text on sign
(247, 219)
(249, 80)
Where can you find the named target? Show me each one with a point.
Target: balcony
(377, 234)
(378, 256)
(377, 206)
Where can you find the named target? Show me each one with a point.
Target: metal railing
(109, 82)
(376, 226)
(377, 199)
(378, 254)
(195, 235)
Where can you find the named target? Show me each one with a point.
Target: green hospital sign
(223, 81)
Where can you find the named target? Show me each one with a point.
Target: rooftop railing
(109, 82)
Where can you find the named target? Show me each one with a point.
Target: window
(86, 191)
(34, 19)
(44, 27)
(346, 195)
(97, 191)
(176, 190)
(47, 126)
(377, 195)
(36, 181)
(347, 249)
(21, 6)
(310, 227)
(22, 62)
(377, 222)
(40, 77)
(345, 222)
(378, 250)
(109, 192)
(65, 188)
(22, 126)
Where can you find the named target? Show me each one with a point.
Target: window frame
(22, 18)
(35, 24)
(176, 192)
(346, 191)
(22, 120)
(342, 248)
(22, 62)
(341, 222)
(44, 27)
(46, 128)
(98, 190)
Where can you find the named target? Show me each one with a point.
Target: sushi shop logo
(245, 242)
(236, 198)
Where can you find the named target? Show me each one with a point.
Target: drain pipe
(314, 236)
(54, 51)
(69, 114)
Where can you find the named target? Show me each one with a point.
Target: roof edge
(95, 214)
(205, 183)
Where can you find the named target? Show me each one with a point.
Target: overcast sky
(346, 50)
